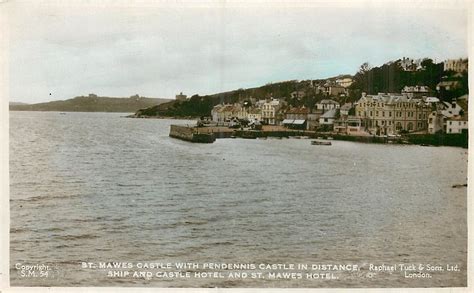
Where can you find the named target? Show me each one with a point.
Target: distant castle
(181, 97)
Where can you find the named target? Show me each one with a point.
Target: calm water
(97, 187)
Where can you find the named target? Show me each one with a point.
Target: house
(333, 90)
(328, 118)
(408, 64)
(269, 111)
(300, 113)
(436, 122)
(294, 123)
(254, 114)
(392, 113)
(458, 124)
(458, 65)
(449, 114)
(326, 105)
(223, 114)
(344, 82)
(297, 94)
(448, 85)
(416, 91)
(344, 110)
(348, 125)
(296, 118)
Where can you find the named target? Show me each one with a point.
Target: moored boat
(316, 142)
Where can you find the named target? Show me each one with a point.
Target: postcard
(235, 145)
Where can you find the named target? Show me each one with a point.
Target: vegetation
(91, 103)
(391, 78)
(388, 78)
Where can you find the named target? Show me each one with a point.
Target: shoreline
(425, 139)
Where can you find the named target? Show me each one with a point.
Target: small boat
(459, 185)
(316, 142)
(62, 113)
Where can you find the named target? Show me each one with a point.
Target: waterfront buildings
(392, 113)
(449, 117)
(269, 111)
(222, 114)
(457, 124)
(327, 119)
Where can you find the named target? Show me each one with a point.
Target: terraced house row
(392, 113)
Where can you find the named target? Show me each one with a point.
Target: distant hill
(92, 103)
(17, 104)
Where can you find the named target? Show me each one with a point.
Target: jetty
(191, 134)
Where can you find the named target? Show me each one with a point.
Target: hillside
(201, 105)
(389, 77)
(92, 103)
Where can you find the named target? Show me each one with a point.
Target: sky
(58, 51)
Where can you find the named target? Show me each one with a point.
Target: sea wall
(190, 134)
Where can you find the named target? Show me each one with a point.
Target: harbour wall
(190, 134)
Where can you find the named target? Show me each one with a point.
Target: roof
(389, 98)
(431, 100)
(329, 114)
(328, 101)
(291, 121)
(458, 118)
(346, 106)
(416, 89)
(255, 111)
(448, 83)
(297, 110)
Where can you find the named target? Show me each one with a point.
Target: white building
(344, 82)
(269, 111)
(416, 91)
(222, 114)
(458, 65)
(456, 124)
(326, 105)
(328, 118)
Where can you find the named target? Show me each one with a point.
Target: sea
(98, 199)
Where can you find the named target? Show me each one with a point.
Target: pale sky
(160, 50)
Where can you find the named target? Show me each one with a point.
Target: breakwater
(191, 134)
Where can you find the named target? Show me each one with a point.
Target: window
(383, 113)
(370, 113)
(377, 113)
(390, 114)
